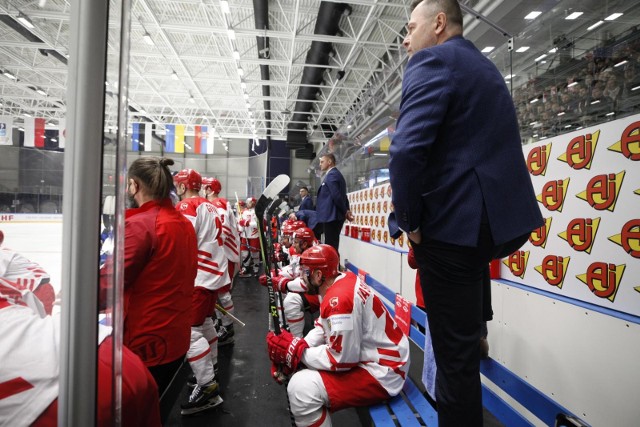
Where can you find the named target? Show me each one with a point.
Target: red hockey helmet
(190, 178)
(251, 201)
(242, 204)
(321, 257)
(305, 234)
(213, 184)
(298, 224)
(287, 229)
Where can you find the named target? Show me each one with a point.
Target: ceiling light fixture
(232, 34)
(596, 25)
(174, 75)
(236, 55)
(541, 57)
(624, 61)
(487, 49)
(191, 100)
(613, 16)
(41, 92)
(9, 75)
(243, 85)
(533, 15)
(224, 6)
(147, 38)
(522, 49)
(24, 20)
(572, 84)
(240, 72)
(554, 50)
(574, 15)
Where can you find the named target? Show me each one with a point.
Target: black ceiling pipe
(18, 28)
(327, 22)
(261, 14)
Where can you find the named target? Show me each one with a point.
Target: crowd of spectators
(603, 84)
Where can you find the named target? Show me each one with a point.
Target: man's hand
(415, 236)
(350, 216)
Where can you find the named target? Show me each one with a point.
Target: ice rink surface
(39, 241)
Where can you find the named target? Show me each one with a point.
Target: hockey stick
(225, 312)
(276, 186)
(271, 254)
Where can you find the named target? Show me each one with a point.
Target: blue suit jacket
(306, 204)
(457, 150)
(332, 203)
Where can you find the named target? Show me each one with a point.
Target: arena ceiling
(279, 68)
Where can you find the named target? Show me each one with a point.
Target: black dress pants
(452, 279)
(331, 231)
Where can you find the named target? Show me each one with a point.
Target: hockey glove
(285, 350)
(280, 283)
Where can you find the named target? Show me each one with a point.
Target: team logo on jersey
(629, 144)
(538, 160)
(581, 233)
(517, 263)
(603, 279)
(554, 269)
(629, 238)
(602, 191)
(553, 194)
(333, 302)
(539, 236)
(579, 154)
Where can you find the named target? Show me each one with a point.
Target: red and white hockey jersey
(27, 388)
(355, 329)
(213, 272)
(249, 224)
(230, 233)
(27, 275)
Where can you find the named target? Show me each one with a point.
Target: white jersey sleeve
(29, 368)
(26, 274)
(358, 331)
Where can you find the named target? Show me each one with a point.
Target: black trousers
(452, 279)
(331, 231)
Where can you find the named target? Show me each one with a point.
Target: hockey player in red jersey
(231, 247)
(356, 355)
(212, 275)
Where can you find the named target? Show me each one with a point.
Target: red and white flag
(34, 132)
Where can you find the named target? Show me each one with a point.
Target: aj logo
(629, 144)
(517, 263)
(554, 269)
(538, 159)
(581, 233)
(603, 279)
(580, 149)
(602, 191)
(539, 236)
(629, 238)
(553, 194)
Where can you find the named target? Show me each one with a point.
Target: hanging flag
(179, 141)
(62, 132)
(135, 137)
(210, 140)
(148, 136)
(202, 144)
(169, 138)
(34, 132)
(6, 129)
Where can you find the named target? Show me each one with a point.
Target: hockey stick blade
(276, 186)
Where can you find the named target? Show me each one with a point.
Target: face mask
(131, 202)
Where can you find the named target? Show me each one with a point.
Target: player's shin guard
(226, 302)
(308, 399)
(211, 335)
(294, 313)
(199, 357)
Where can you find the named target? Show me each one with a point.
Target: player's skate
(202, 397)
(225, 335)
(192, 381)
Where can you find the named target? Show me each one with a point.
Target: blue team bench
(412, 407)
